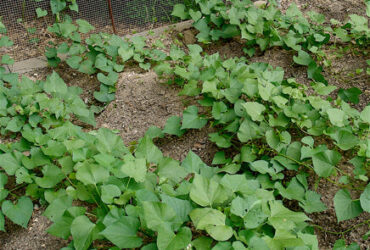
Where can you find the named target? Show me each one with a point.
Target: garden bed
(143, 100)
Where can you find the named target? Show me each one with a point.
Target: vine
(95, 188)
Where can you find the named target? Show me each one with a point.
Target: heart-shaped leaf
(19, 213)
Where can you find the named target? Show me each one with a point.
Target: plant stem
(23, 9)
(18, 187)
(343, 232)
(327, 178)
(90, 214)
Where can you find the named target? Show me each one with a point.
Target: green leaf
(89, 173)
(239, 183)
(294, 150)
(15, 124)
(365, 114)
(323, 89)
(324, 162)
(249, 130)
(110, 143)
(344, 137)
(316, 17)
(308, 140)
(84, 26)
(108, 192)
(350, 95)
(73, 6)
(6, 59)
(213, 221)
(247, 154)
(123, 233)
(294, 190)
(2, 222)
(220, 233)
(191, 120)
(341, 245)
(74, 62)
(135, 168)
(220, 140)
(176, 53)
(202, 26)
(41, 13)
(167, 240)
(202, 243)
(303, 58)
(145, 66)
(190, 89)
(227, 31)
(255, 216)
(52, 176)
(312, 203)
(5, 42)
(238, 245)
(82, 230)
(9, 163)
(207, 192)
(154, 132)
(57, 207)
(254, 110)
(365, 199)
(54, 149)
(3, 180)
(179, 10)
(181, 207)
(110, 79)
(22, 176)
(263, 167)
(345, 207)
(20, 213)
(170, 169)
(239, 206)
(192, 163)
(125, 53)
(87, 67)
(61, 227)
(147, 150)
(337, 117)
(57, 6)
(173, 126)
(278, 141)
(159, 216)
(283, 218)
(195, 15)
(54, 84)
(104, 159)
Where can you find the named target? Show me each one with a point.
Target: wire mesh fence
(30, 35)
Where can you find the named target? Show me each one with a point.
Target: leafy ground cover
(278, 143)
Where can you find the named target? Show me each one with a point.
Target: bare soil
(32, 238)
(140, 102)
(338, 10)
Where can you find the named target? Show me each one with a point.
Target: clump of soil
(140, 102)
(194, 140)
